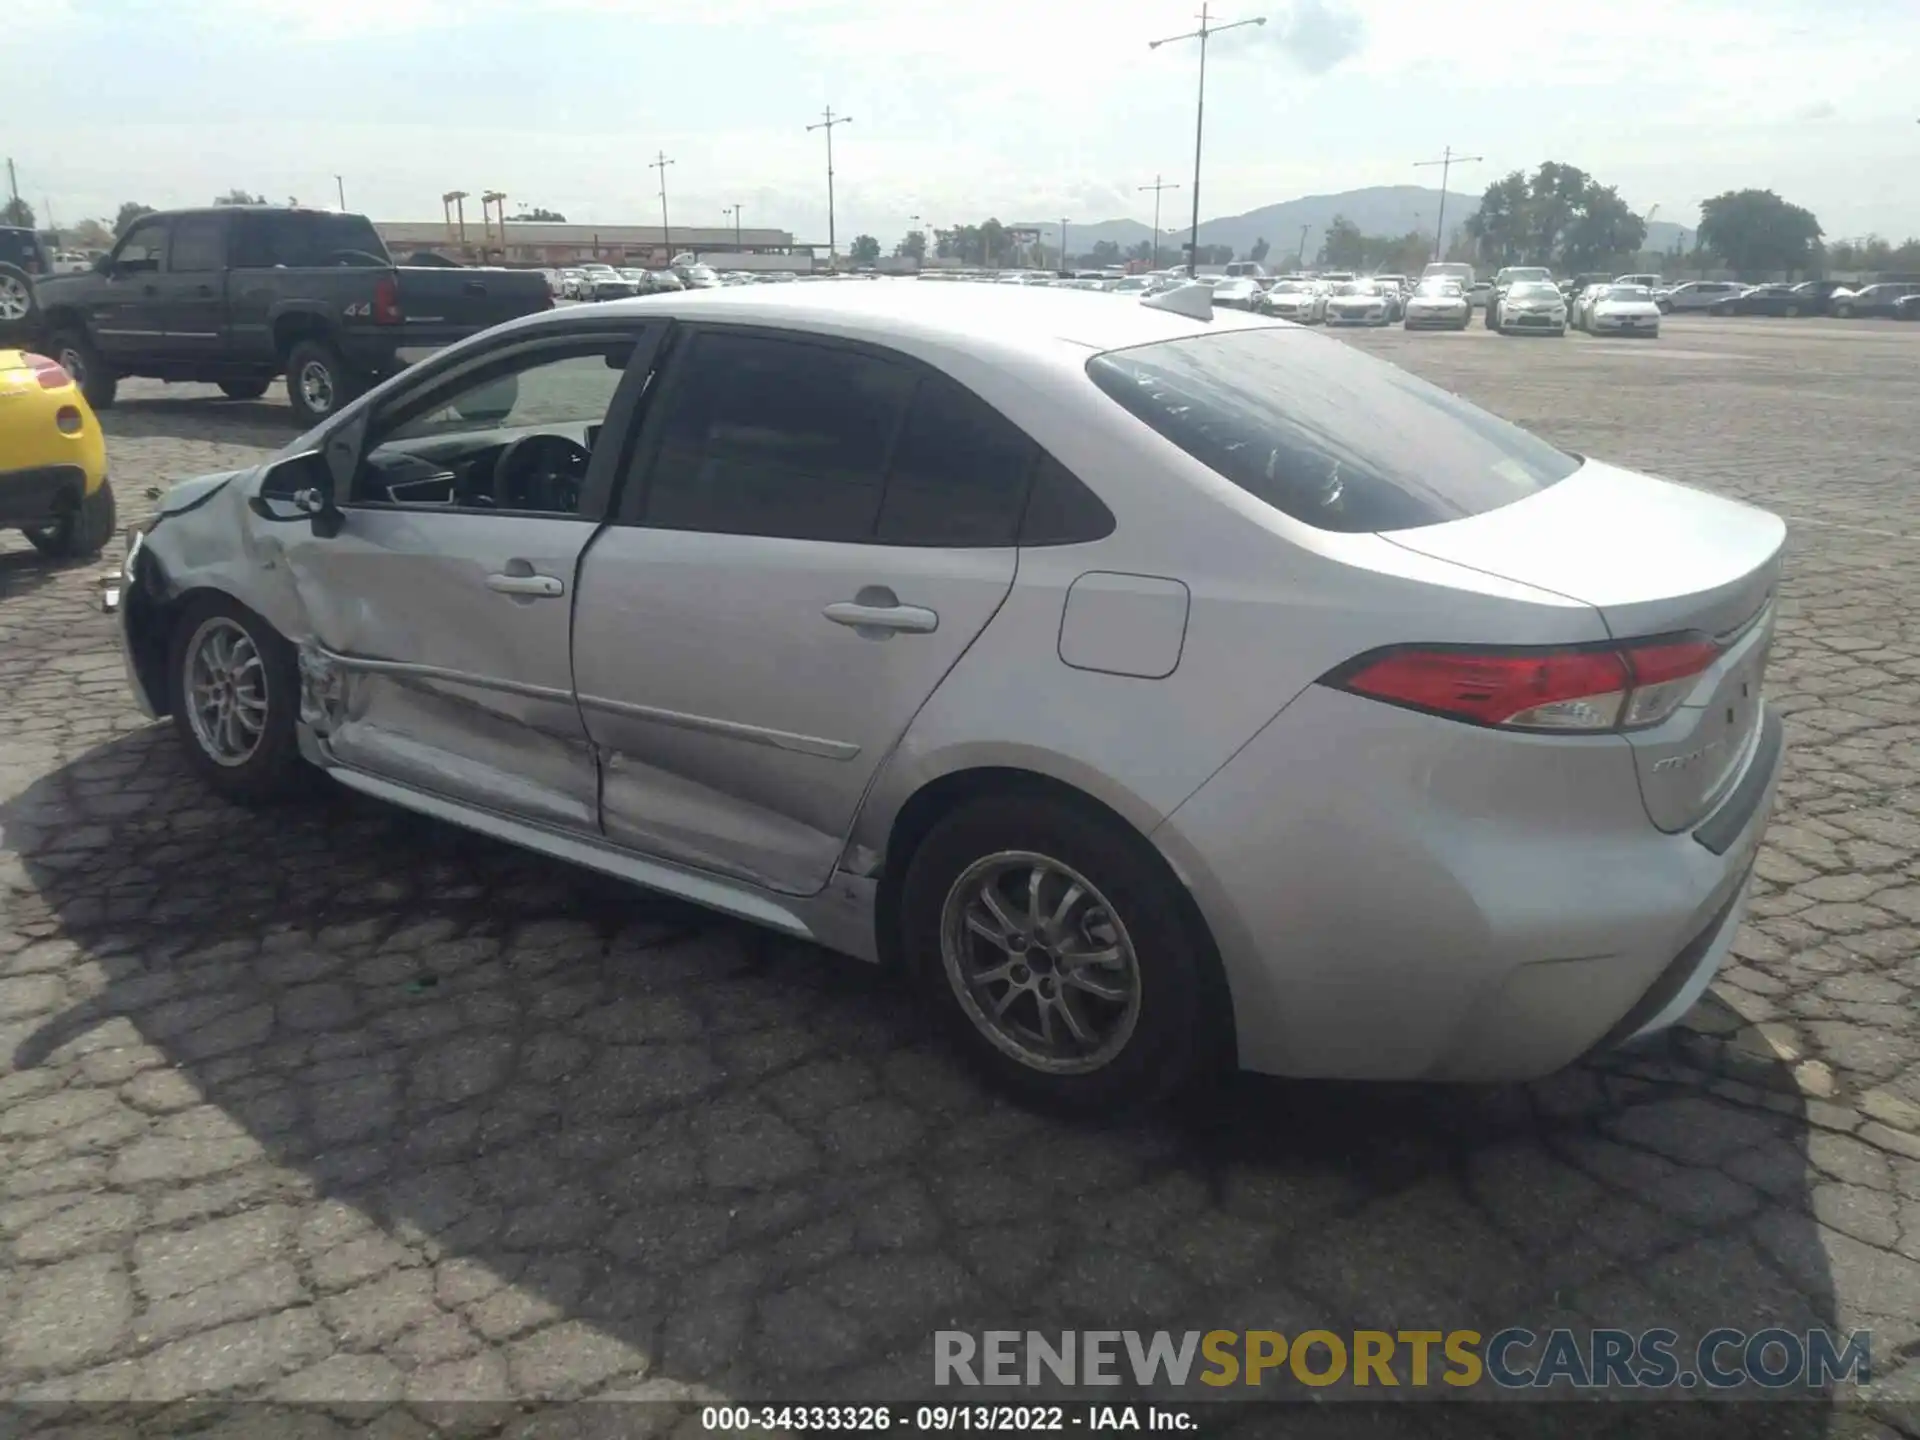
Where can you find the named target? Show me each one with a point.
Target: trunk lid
(1654, 558)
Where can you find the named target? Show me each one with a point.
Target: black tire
(244, 389)
(1792, 312)
(19, 305)
(319, 381)
(1178, 1009)
(82, 532)
(81, 359)
(273, 770)
(1843, 312)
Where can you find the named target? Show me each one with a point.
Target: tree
(1259, 251)
(1560, 215)
(1345, 247)
(1105, 253)
(91, 235)
(1874, 252)
(913, 246)
(1755, 231)
(130, 211)
(1142, 252)
(865, 250)
(538, 216)
(239, 197)
(17, 212)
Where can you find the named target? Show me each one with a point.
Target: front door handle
(529, 585)
(877, 616)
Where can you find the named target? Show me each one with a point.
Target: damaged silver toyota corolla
(1166, 689)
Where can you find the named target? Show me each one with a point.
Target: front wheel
(1843, 312)
(235, 691)
(81, 359)
(319, 381)
(1055, 948)
(243, 389)
(83, 531)
(1793, 312)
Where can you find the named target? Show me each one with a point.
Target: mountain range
(1377, 210)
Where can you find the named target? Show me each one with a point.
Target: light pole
(1063, 245)
(1156, 187)
(1300, 255)
(734, 211)
(827, 125)
(660, 163)
(341, 185)
(1446, 162)
(1200, 114)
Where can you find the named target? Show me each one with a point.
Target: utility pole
(1156, 187)
(660, 163)
(827, 125)
(341, 186)
(13, 180)
(1206, 30)
(734, 211)
(1064, 267)
(1446, 162)
(1300, 255)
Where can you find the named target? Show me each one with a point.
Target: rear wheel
(1843, 312)
(234, 683)
(319, 381)
(243, 389)
(1055, 948)
(1792, 312)
(80, 358)
(83, 531)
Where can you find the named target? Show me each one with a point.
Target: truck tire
(244, 389)
(319, 382)
(83, 532)
(19, 306)
(80, 358)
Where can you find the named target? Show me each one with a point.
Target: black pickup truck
(239, 294)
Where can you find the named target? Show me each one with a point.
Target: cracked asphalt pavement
(343, 1107)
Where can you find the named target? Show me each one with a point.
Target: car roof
(968, 317)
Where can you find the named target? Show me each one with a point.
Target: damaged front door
(440, 614)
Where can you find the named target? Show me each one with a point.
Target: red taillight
(69, 419)
(48, 372)
(1583, 689)
(386, 301)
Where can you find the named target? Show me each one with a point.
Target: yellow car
(53, 460)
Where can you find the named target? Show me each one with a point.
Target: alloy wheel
(1040, 962)
(16, 300)
(316, 387)
(226, 691)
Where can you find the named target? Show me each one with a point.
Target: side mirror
(303, 484)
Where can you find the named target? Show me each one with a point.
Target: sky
(1022, 109)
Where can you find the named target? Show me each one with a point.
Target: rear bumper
(40, 495)
(1399, 897)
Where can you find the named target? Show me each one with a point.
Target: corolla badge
(1688, 760)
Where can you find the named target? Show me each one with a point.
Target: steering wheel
(555, 466)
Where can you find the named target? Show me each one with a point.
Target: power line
(1446, 162)
(1156, 187)
(827, 125)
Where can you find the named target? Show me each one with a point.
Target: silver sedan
(1161, 687)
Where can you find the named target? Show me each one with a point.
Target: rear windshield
(1325, 433)
(17, 247)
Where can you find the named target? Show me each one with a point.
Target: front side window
(776, 437)
(1325, 433)
(145, 248)
(517, 435)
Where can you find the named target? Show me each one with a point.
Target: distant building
(540, 243)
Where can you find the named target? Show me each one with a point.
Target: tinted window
(306, 239)
(1326, 433)
(959, 474)
(199, 243)
(776, 437)
(1062, 511)
(145, 247)
(19, 247)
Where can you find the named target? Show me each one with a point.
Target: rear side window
(1325, 433)
(305, 240)
(199, 243)
(20, 247)
(959, 474)
(773, 437)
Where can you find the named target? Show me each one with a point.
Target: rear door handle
(530, 585)
(885, 619)
(475, 287)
